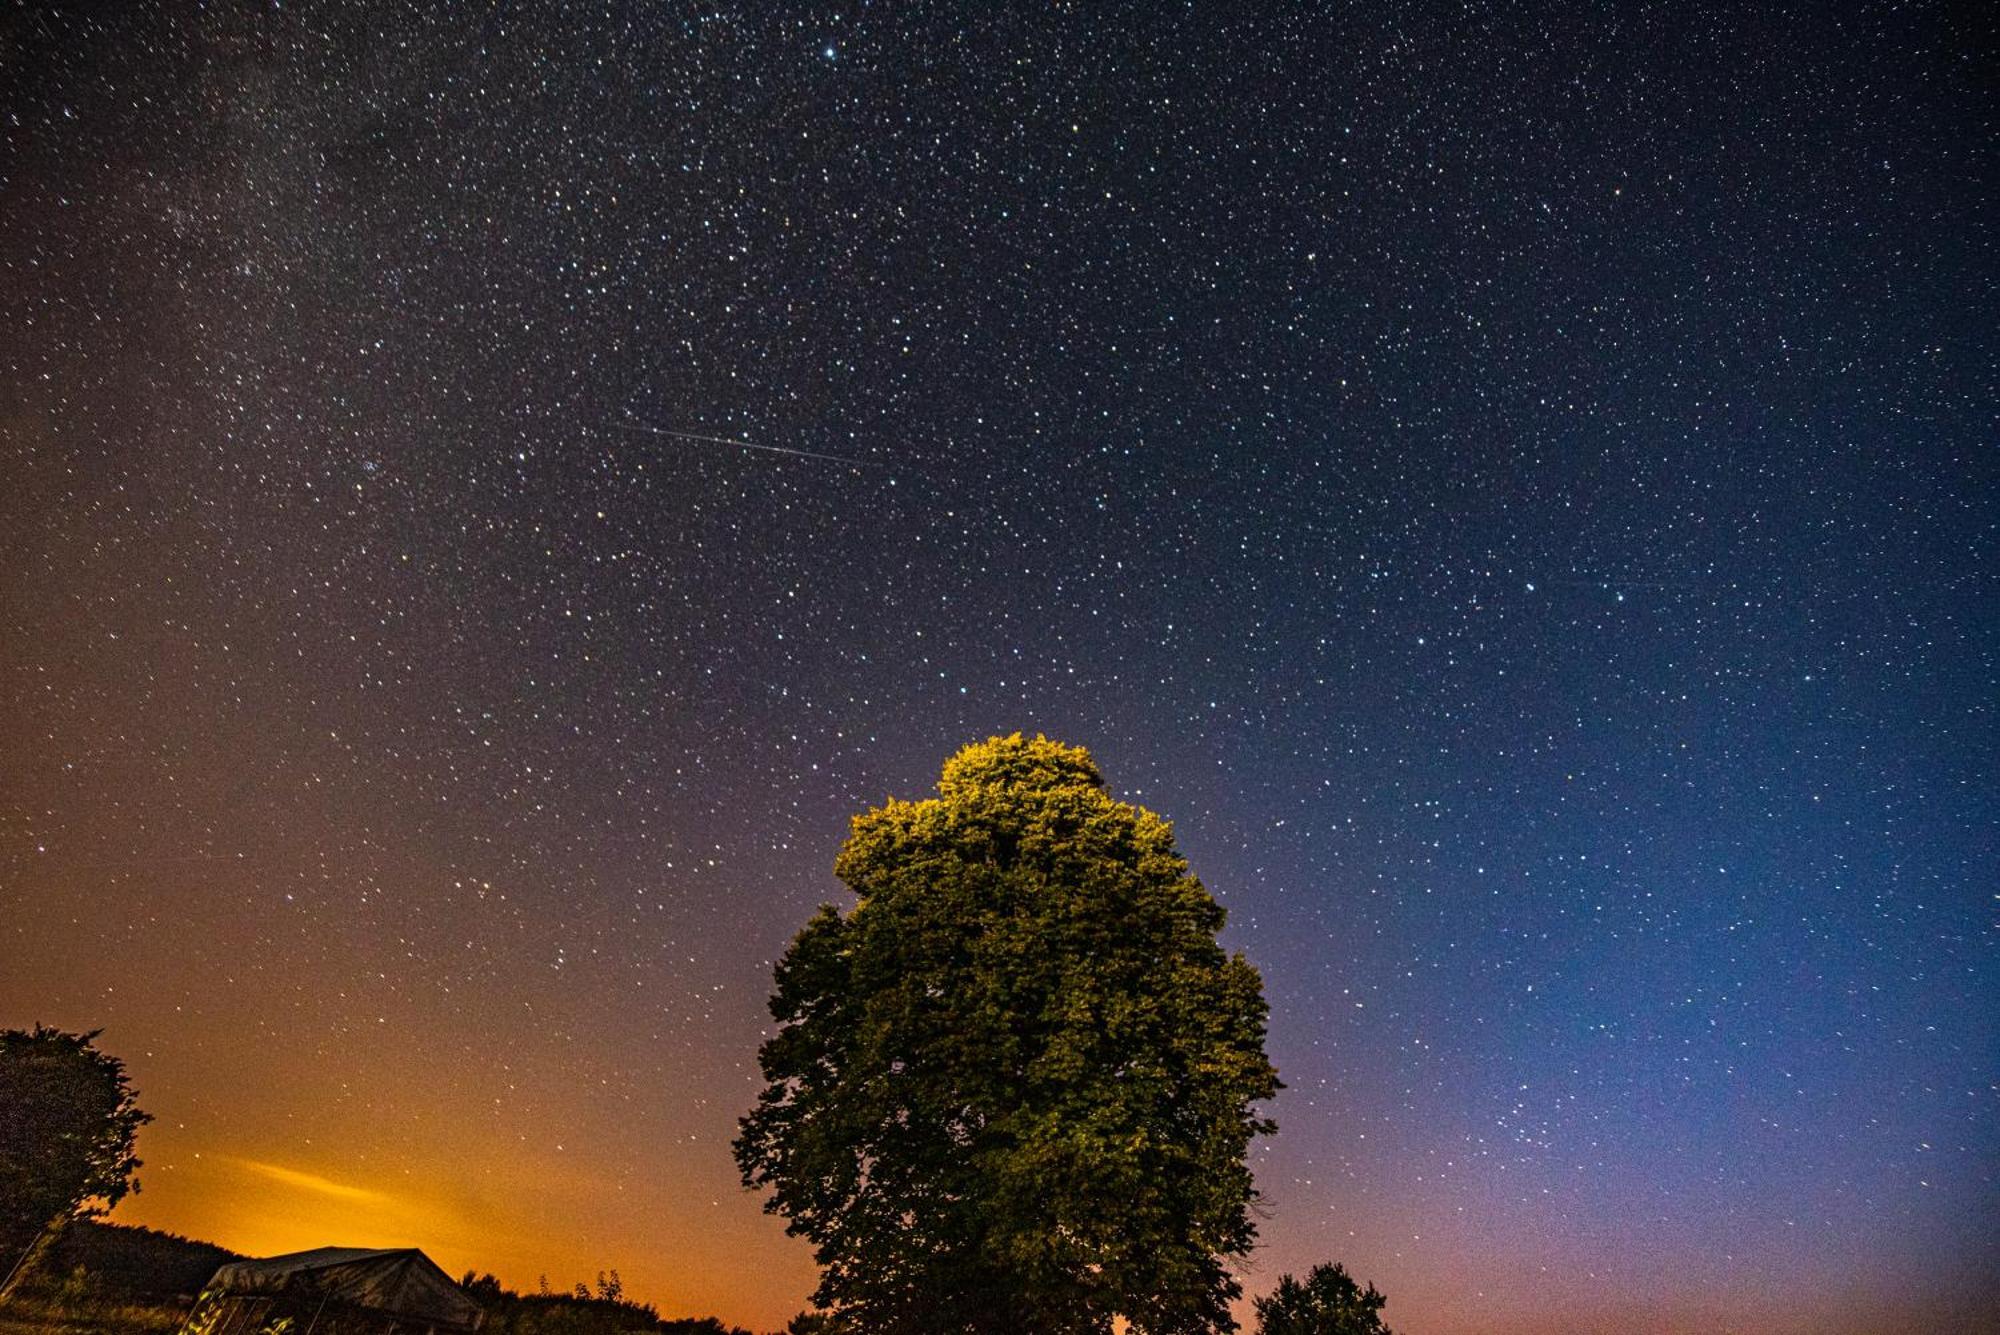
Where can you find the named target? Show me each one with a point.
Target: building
(335, 1291)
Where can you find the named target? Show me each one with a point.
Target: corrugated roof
(317, 1258)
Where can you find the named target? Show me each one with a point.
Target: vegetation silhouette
(583, 1311)
(1329, 1302)
(113, 1279)
(67, 1122)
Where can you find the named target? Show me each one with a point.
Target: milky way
(484, 498)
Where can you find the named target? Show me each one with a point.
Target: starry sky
(485, 496)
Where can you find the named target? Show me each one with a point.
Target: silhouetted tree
(1328, 1303)
(67, 1123)
(813, 1323)
(1013, 1088)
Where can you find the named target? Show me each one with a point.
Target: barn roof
(401, 1281)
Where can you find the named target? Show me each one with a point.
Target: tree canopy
(1013, 1088)
(1329, 1302)
(67, 1123)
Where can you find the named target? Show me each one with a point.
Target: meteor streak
(741, 444)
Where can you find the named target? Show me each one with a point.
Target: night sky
(484, 499)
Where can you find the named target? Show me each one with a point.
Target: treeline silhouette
(133, 1264)
(582, 1311)
(112, 1279)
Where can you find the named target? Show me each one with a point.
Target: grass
(67, 1311)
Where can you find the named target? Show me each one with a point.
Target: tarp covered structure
(334, 1290)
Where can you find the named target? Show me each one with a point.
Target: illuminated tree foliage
(1329, 1302)
(67, 1122)
(1012, 1089)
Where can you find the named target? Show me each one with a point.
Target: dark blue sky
(1515, 485)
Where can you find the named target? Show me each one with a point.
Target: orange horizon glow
(260, 1207)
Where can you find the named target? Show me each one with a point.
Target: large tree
(1013, 1088)
(1329, 1302)
(67, 1122)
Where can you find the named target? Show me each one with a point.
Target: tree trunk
(25, 1263)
